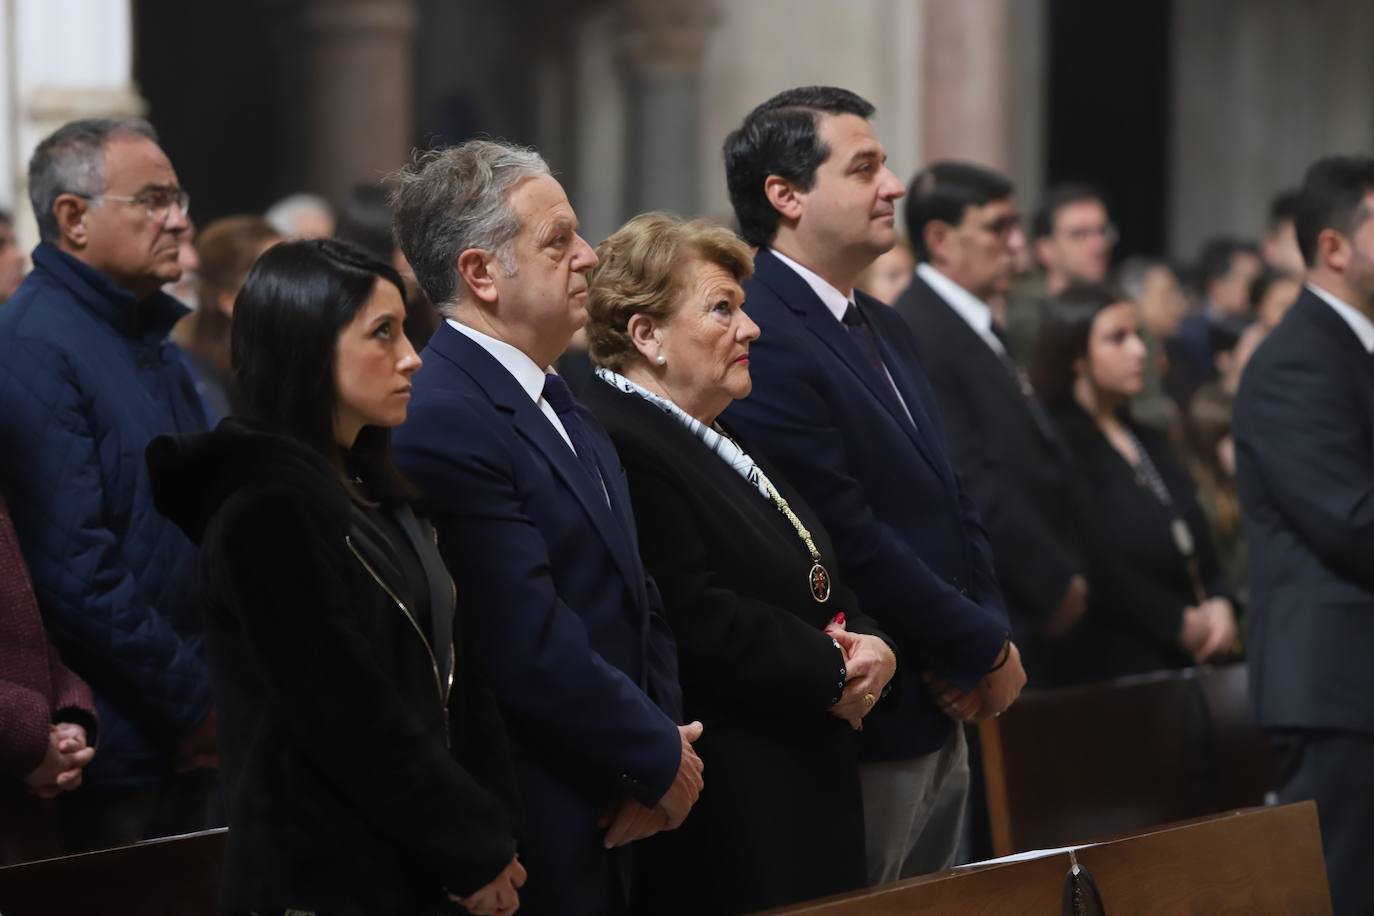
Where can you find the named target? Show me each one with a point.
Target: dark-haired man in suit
(840, 397)
(1304, 429)
(965, 230)
(534, 521)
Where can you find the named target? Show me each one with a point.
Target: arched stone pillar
(965, 111)
(359, 118)
(662, 42)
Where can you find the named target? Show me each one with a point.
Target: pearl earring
(662, 360)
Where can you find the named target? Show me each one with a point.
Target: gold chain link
(786, 510)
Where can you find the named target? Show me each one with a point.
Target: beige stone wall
(92, 76)
(1260, 89)
(764, 46)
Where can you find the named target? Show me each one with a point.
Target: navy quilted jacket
(87, 380)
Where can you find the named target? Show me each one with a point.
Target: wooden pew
(1255, 862)
(1070, 765)
(176, 876)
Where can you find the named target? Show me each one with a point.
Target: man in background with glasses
(87, 379)
(1071, 241)
(966, 232)
(1073, 238)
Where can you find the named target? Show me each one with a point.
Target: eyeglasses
(158, 202)
(1083, 233)
(1004, 225)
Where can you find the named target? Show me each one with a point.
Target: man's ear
(475, 269)
(70, 211)
(1333, 250)
(783, 196)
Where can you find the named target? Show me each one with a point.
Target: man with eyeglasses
(1071, 241)
(87, 379)
(1073, 237)
(966, 231)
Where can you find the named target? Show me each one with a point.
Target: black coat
(334, 710)
(1304, 426)
(1141, 583)
(781, 819)
(1013, 465)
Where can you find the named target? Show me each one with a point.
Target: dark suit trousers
(1334, 768)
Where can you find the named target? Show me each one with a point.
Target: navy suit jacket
(565, 621)
(909, 540)
(1304, 427)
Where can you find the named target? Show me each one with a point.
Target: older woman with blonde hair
(775, 657)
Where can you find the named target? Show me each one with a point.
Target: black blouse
(1139, 580)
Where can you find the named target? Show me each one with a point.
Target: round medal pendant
(820, 583)
(1183, 537)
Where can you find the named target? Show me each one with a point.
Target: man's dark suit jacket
(1304, 428)
(555, 595)
(909, 539)
(1016, 471)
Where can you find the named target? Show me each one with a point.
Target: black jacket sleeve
(1307, 438)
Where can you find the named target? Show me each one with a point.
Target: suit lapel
(441, 589)
(1001, 371)
(1335, 327)
(913, 395)
(797, 294)
(529, 421)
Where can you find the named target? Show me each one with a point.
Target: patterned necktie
(862, 333)
(560, 398)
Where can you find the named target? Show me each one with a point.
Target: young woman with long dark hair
(362, 761)
(1157, 598)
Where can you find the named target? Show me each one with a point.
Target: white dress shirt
(525, 371)
(1359, 322)
(837, 303)
(975, 312)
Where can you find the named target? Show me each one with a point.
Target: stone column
(1261, 88)
(359, 119)
(662, 43)
(61, 62)
(965, 108)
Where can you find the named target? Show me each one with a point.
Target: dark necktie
(560, 398)
(1022, 379)
(862, 332)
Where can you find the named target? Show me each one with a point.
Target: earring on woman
(662, 360)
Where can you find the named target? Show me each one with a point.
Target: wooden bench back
(1256, 862)
(1068, 766)
(176, 876)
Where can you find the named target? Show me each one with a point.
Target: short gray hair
(447, 201)
(71, 160)
(1133, 273)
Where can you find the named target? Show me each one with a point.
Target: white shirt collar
(525, 370)
(967, 306)
(834, 300)
(1359, 322)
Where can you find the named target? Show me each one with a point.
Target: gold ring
(869, 699)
